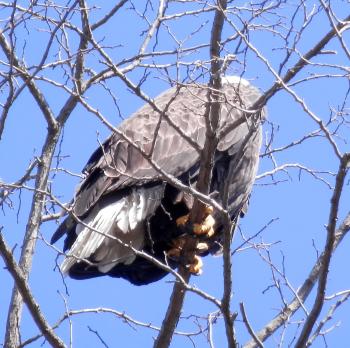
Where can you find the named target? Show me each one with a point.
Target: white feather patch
(235, 80)
(88, 240)
(122, 219)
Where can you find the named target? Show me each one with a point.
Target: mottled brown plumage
(118, 172)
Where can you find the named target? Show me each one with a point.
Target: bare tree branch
(328, 317)
(37, 94)
(68, 54)
(281, 82)
(14, 317)
(22, 286)
(303, 292)
(249, 328)
(203, 184)
(327, 253)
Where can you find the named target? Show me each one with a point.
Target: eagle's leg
(204, 229)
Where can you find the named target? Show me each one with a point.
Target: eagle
(126, 201)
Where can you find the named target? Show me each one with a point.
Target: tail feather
(89, 240)
(123, 219)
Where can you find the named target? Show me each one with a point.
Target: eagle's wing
(117, 164)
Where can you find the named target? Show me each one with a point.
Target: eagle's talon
(176, 248)
(208, 210)
(174, 253)
(196, 266)
(207, 227)
(195, 263)
(182, 220)
(202, 247)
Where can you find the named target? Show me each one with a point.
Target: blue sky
(299, 204)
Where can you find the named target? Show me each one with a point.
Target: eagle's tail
(108, 226)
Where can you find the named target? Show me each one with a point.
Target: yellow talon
(182, 220)
(196, 266)
(202, 247)
(194, 262)
(174, 253)
(207, 227)
(177, 245)
(208, 210)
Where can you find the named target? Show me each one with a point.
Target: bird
(128, 203)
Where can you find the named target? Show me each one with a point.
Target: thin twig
(249, 327)
(328, 317)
